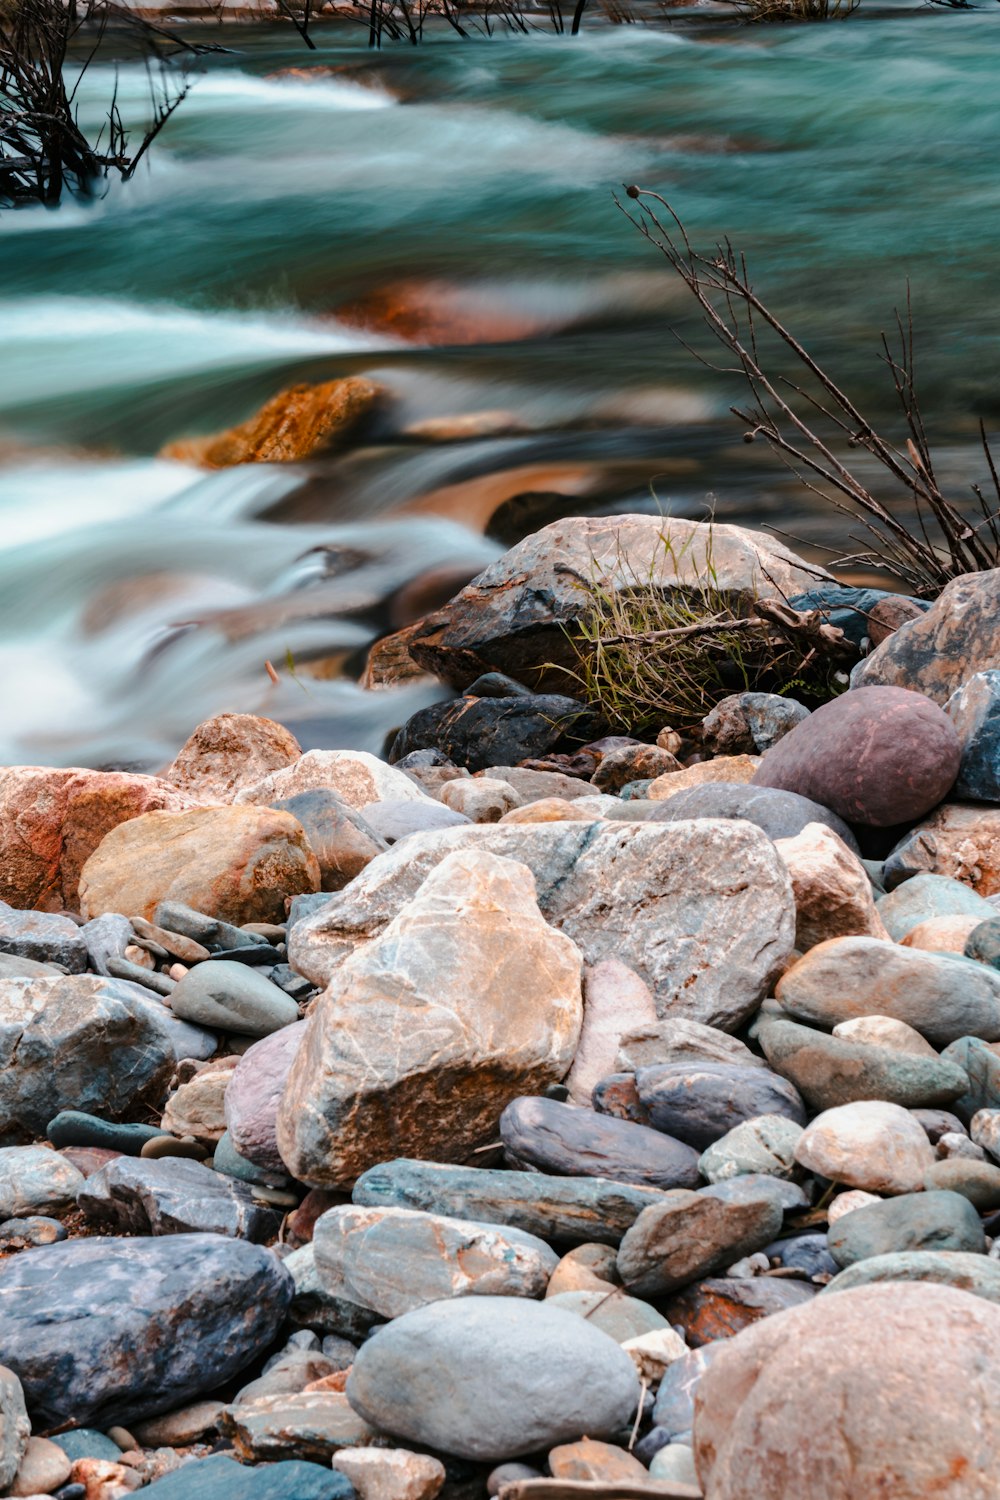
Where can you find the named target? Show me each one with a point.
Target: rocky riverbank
(539, 1110)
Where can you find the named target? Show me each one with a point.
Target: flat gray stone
(43, 936)
(230, 996)
(689, 1235)
(174, 1195)
(935, 1220)
(832, 1070)
(966, 1272)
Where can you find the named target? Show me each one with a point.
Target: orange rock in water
(292, 425)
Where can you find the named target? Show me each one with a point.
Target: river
(441, 218)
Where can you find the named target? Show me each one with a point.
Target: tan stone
(728, 768)
(51, 821)
(960, 839)
(553, 810)
(391, 1473)
(597, 1463)
(357, 778)
(676, 1040)
(942, 934)
(179, 1428)
(198, 1107)
(292, 425)
(615, 1001)
(44, 1468)
(890, 1390)
(883, 1031)
(654, 1353)
(235, 863)
(228, 752)
(422, 1038)
(587, 1268)
(846, 1203)
(310, 1425)
(870, 1144)
(480, 799)
(833, 895)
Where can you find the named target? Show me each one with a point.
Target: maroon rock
(569, 1142)
(723, 1306)
(878, 756)
(254, 1093)
(616, 1094)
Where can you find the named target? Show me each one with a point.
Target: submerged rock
(292, 425)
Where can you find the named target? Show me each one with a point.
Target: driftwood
(585, 1489)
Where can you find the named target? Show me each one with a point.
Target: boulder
(43, 936)
(698, 1103)
(690, 1235)
(702, 912)
(615, 1002)
(254, 1094)
(491, 1378)
(871, 1145)
(357, 778)
(959, 839)
(876, 756)
(926, 897)
(395, 1259)
(466, 1000)
(941, 996)
(77, 1042)
(231, 996)
(36, 1180)
(824, 1369)
(478, 732)
(51, 821)
(237, 863)
(342, 840)
(229, 751)
(928, 1220)
(513, 617)
(572, 1142)
(833, 895)
(294, 424)
(587, 1209)
(937, 653)
(174, 1196)
(111, 1330)
(833, 1070)
(781, 815)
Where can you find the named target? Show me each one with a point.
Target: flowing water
(441, 219)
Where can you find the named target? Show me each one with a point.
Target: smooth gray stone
(106, 937)
(396, 819)
(12, 967)
(229, 996)
(578, 1209)
(104, 1331)
(124, 968)
(765, 1145)
(979, 1181)
(700, 1102)
(521, 1377)
(85, 1442)
(690, 1235)
(571, 1142)
(15, 1429)
(925, 897)
(967, 1272)
(779, 814)
(44, 936)
(788, 1195)
(221, 1478)
(936, 1220)
(174, 1195)
(981, 1067)
(209, 931)
(831, 1070)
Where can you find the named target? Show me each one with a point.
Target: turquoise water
(273, 212)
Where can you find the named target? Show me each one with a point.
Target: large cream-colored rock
(883, 1031)
(466, 1000)
(833, 895)
(390, 1473)
(615, 1001)
(51, 821)
(357, 777)
(228, 752)
(235, 863)
(871, 1145)
(728, 768)
(884, 1391)
(942, 934)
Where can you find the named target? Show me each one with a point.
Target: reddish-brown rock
(292, 425)
(723, 1306)
(228, 752)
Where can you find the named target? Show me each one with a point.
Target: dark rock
(479, 732)
(632, 763)
(43, 936)
(496, 685)
(956, 638)
(578, 1209)
(808, 1253)
(831, 1070)
(875, 756)
(174, 1196)
(938, 1122)
(974, 709)
(71, 1127)
(111, 1330)
(221, 1478)
(750, 723)
(937, 1220)
(698, 1103)
(689, 1235)
(849, 607)
(211, 932)
(341, 837)
(720, 1308)
(983, 942)
(779, 814)
(571, 1142)
(618, 1096)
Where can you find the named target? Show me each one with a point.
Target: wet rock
(596, 1463)
(112, 1330)
(554, 1208)
(958, 839)
(254, 1094)
(824, 1369)
(700, 1103)
(926, 896)
(765, 1144)
(229, 996)
(875, 756)
(615, 1002)
(750, 723)
(15, 1428)
(35, 1180)
(673, 1040)
(478, 732)
(974, 709)
(572, 1142)
(729, 770)
(355, 776)
(394, 1259)
(871, 1145)
(77, 1041)
(479, 800)
(440, 1070)
(521, 1376)
(390, 1473)
(42, 936)
(966, 1272)
(722, 1307)
(174, 1196)
(397, 819)
(702, 912)
(979, 1181)
(690, 1235)
(941, 996)
(833, 895)
(229, 751)
(294, 424)
(937, 653)
(779, 814)
(342, 840)
(832, 1070)
(934, 1220)
(311, 1424)
(237, 863)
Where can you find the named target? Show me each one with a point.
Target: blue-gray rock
(227, 1160)
(221, 1478)
(146, 979)
(80, 1041)
(698, 1103)
(316, 1308)
(974, 709)
(12, 967)
(86, 1442)
(491, 1378)
(30, 1232)
(674, 1409)
(396, 818)
(174, 1195)
(43, 936)
(848, 606)
(983, 943)
(305, 906)
(808, 1253)
(936, 1220)
(957, 637)
(72, 1127)
(211, 932)
(964, 1270)
(34, 1179)
(569, 1142)
(982, 1069)
(689, 1235)
(779, 814)
(187, 1040)
(103, 1331)
(832, 1070)
(578, 1209)
(927, 896)
(232, 997)
(106, 937)
(750, 1185)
